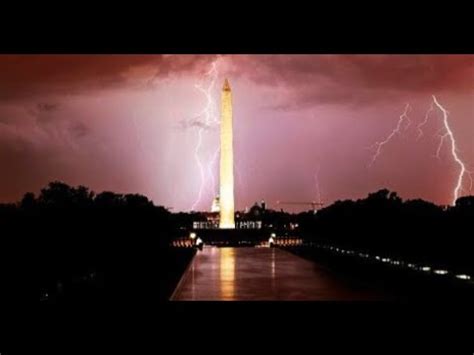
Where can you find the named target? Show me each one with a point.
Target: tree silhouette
(127, 238)
(85, 238)
(413, 230)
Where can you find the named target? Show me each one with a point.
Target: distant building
(243, 220)
(248, 224)
(216, 207)
(211, 222)
(257, 209)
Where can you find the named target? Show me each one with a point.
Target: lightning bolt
(316, 184)
(210, 170)
(448, 135)
(403, 120)
(424, 122)
(207, 118)
(442, 138)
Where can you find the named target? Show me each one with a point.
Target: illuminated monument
(226, 198)
(222, 214)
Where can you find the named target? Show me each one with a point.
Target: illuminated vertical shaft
(227, 161)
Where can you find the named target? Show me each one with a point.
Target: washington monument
(226, 219)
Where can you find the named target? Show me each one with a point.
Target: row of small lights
(378, 258)
(284, 241)
(395, 262)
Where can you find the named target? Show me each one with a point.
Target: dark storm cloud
(47, 107)
(356, 79)
(395, 72)
(308, 78)
(5, 118)
(44, 112)
(78, 129)
(25, 76)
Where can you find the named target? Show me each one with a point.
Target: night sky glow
(304, 125)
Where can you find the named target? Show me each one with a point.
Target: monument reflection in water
(227, 273)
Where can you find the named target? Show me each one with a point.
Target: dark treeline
(117, 246)
(106, 245)
(414, 230)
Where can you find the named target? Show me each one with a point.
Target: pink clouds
(128, 123)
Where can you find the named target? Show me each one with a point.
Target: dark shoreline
(403, 284)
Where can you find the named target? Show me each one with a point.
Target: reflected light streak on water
(273, 271)
(227, 273)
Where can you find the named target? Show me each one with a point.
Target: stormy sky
(304, 125)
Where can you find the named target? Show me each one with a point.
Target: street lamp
(271, 240)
